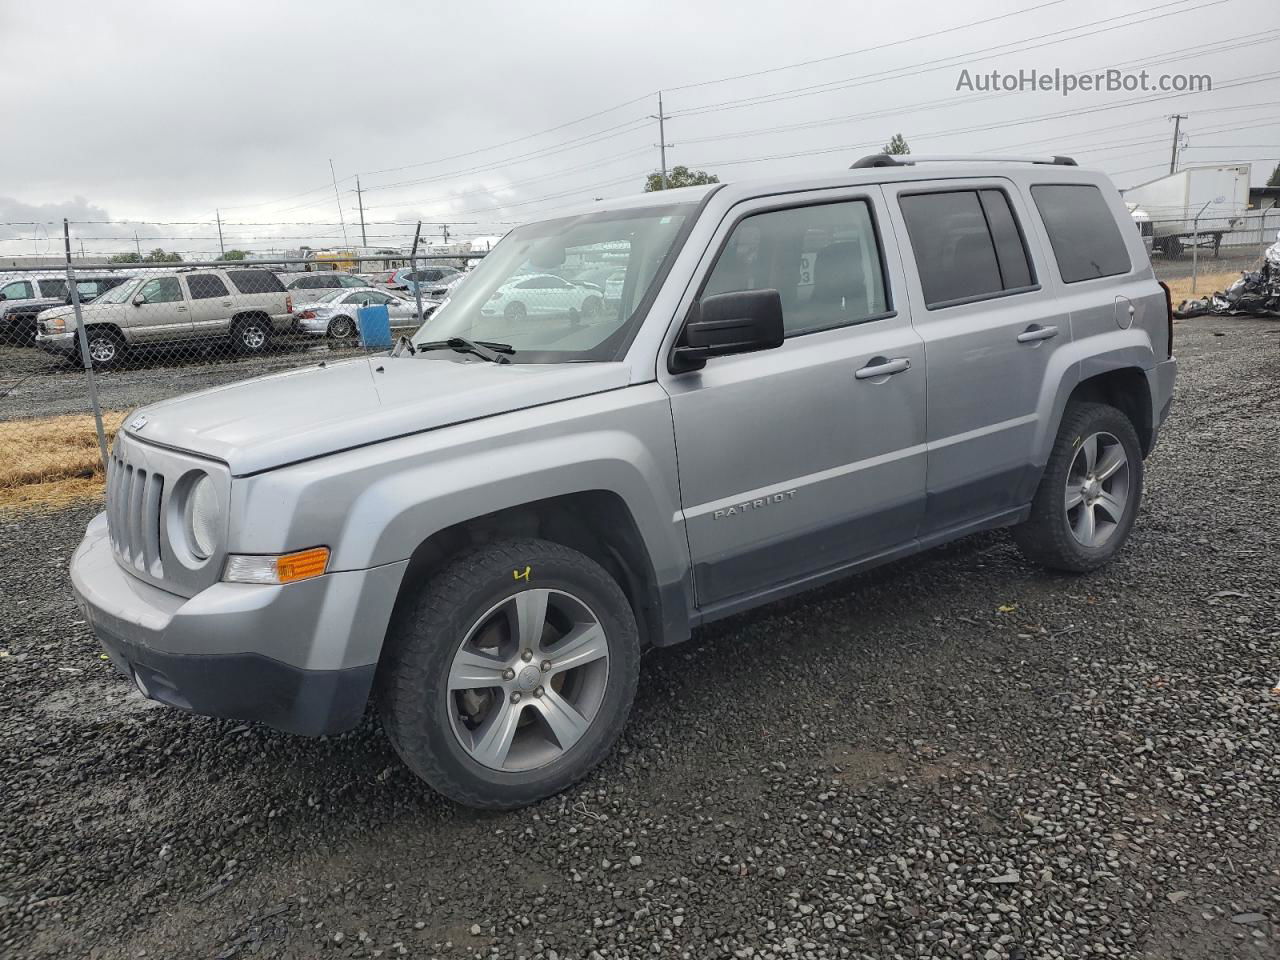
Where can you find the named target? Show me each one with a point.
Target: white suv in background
(247, 304)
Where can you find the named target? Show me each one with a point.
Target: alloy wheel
(253, 336)
(102, 349)
(528, 680)
(1097, 490)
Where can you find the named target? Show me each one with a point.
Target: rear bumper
(300, 658)
(1161, 379)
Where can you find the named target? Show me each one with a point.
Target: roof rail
(907, 160)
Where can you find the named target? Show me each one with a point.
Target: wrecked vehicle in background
(1256, 293)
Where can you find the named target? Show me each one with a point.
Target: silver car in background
(335, 313)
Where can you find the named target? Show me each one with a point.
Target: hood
(259, 424)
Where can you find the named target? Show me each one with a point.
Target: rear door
(991, 328)
(212, 304)
(798, 461)
(159, 311)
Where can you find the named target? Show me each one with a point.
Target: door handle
(181, 310)
(882, 367)
(1036, 333)
(227, 303)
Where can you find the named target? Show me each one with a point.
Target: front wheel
(1088, 498)
(106, 348)
(511, 674)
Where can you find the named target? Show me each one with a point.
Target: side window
(1086, 241)
(161, 290)
(823, 260)
(17, 290)
(345, 281)
(204, 286)
(379, 298)
(967, 245)
(255, 281)
(57, 289)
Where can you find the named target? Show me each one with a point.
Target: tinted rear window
(1086, 241)
(954, 252)
(53, 288)
(255, 281)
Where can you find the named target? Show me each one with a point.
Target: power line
(971, 56)
(873, 48)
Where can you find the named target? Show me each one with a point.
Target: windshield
(526, 293)
(119, 294)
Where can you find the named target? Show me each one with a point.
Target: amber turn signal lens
(302, 565)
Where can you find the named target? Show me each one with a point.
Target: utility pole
(364, 241)
(222, 251)
(662, 140)
(446, 232)
(338, 200)
(137, 245)
(1177, 119)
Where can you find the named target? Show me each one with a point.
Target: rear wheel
(515, 311)
(511, 674)
(592, 307)
(251, 334)
(1088, 498)
(341, 328)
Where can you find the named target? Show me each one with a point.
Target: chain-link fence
(90, 336)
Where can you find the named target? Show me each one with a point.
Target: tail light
(306, 315)
(288, 303)
(1168, 306)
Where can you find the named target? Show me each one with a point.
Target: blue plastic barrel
(375, 327)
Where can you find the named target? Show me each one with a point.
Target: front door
(992, 326)
(804, 459)
(159, 311)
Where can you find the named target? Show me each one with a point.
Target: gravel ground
(34, 384)
(954, 756)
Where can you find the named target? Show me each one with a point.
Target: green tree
(897, 146)
(234, 255)
(680, 176)
(158, 255)
(129, 257)
(1274, 180)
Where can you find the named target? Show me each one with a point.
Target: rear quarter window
(1082, 231)
(255, 281)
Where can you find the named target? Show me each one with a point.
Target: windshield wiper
(485, 349)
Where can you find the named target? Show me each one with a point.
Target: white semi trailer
(1197, 204)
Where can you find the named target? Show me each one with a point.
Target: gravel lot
(37, 384)
(954, 756)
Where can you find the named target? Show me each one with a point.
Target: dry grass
(1206, 284)
(52, 462)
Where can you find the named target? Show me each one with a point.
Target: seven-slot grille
(133, 515)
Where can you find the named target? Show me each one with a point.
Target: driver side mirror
(723, 324)
(138, 300)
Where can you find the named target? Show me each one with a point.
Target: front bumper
(300, 658)
(62, 344)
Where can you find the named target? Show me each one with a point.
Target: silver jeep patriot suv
(482, 530)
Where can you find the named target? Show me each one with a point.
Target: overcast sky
(483, 114)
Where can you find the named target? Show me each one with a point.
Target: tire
(106, 348)
(1085, 536)
(592, 307)
(515, 311)
(251, 335)
(1172, 247)
(341, 328)
(459, 618)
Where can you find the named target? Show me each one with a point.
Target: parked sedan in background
(310, 287)
(434, 274)
(543, 295)
(334, 314)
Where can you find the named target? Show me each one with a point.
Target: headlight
(56, 325)
(203, 518)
